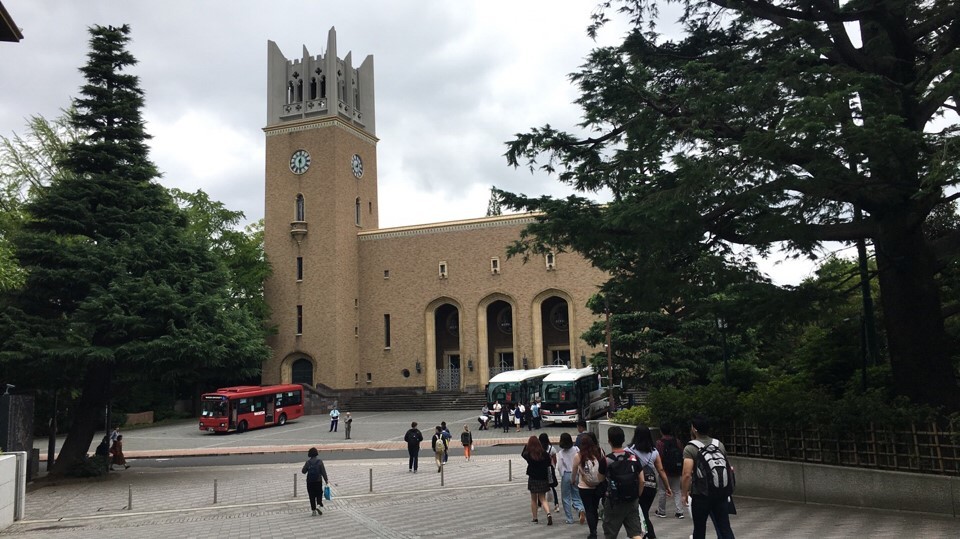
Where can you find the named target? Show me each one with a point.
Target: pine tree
(116, 286)
(494, 207)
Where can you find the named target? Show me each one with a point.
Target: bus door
(271, 407)
(232, 404)
(259, 406)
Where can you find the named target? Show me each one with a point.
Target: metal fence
(929, 448)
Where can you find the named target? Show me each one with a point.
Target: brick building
(416, 308)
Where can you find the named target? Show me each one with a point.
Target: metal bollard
(294, 485)
(214, 491)
(510, 470)
(129, 497)
(441, 475)
(371, 479)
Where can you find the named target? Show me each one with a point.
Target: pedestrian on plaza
(524, 414)
(704, 500)
(528, 416)
(518, 416)
(506, 417)
(626, 488)
(466, 438)
(334, 419)
(316, 476)
(114, 434)
(581, 429)
(589, 465)
(671, 455)
(538, 478)
(413, 437)
(117, 451)
(535, 414)
(347, 425)
(568, 491)
(484, 417)
(102, 454)
(446, 439)
(439, 445)
(552, 452)
(646, 452)
(496, 414)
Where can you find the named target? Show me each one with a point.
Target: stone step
(426, 402)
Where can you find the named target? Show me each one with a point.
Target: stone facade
(418, 308)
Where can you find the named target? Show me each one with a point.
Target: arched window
(299, 90)
(323, 86)
(313, 88)
(301, 212)
(289, 93)
(357, 210)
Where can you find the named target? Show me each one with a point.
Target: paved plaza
(477, 499)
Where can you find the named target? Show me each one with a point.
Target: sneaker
(549, 520)
(319, 512)
(556, 509)
(313, 512)
(660, 513)
(679, 515)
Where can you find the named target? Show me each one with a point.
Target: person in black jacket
(413, 437)
(316, 476)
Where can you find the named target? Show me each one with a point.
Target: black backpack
(622, 482)
(672, 457)
(713, 475)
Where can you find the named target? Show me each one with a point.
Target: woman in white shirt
(569, 493)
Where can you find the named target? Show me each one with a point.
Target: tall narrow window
(289, 93)
(357, 211)
(495, 266)
(551, 260)
(386, 331)
(300, 213)
(313, 88)
(443, 269)
(299, 319)
(299, 268)
(299, 90)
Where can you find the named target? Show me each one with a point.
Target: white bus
(520, 386)
(571, 395)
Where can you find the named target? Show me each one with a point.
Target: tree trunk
(922, 369)
(87, 416)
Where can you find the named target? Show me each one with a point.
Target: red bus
(250, 407)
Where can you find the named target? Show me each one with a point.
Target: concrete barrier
(13, 487)
(832, 485)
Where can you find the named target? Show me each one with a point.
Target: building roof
(569, 375)
(8, 28)
(521, 375)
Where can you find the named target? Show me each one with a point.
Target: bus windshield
(504, 392)
(215, 407)
(559, 392)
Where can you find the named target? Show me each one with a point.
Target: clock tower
(321, 190)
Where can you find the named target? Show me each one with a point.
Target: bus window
(292, 398)
(245, 406)
(259, 403)
(214, 408)
(558, 392)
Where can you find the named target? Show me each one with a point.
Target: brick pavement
(477, 500)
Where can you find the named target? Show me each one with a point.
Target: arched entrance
(447, 342)
(500, 348)
(301, 372)
(555, 324)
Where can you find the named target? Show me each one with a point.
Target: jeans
(705, 506)
(571, 497)
(414, 457)
(591, 503)
(662, 495)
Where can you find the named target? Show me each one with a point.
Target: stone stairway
(425, 402)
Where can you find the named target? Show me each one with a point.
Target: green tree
(117, 287)
(495, 205)
(765, 124)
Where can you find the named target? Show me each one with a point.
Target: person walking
(625, 489)
(446, 439)
(538, 483)
(552, 452)
(439, 445)
(484, 417)
(588, 468)
(347, 425)
(518, 416)
(705, 499)
(506, 417)
(316, 476)
(671, 455)
(117, 452)
(413, 437)
(334, 419)
(114, 434)
(466, 438)
(569, 493)
(535, 413)
(646, 452)
(496, 414)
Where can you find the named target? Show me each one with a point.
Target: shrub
(632, 416)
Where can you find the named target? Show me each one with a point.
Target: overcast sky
(454, 81)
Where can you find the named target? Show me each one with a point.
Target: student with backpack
(316, 475)
(671, 455)
(652, 467)
(625, 488)
(707, 479)
(589, 467)
(439, 445)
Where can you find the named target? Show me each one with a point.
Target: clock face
(357, 164)
(299, 162)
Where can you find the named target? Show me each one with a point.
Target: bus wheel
(242, 427)
(283, 419)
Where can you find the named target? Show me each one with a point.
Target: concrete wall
(833, 485)
(13, 481)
